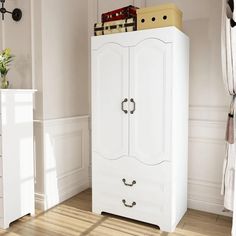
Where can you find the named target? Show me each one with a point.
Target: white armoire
(140, 125)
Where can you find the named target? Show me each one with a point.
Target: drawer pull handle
(126, 205)
(122, 105)
(134, 103)
(130, 185)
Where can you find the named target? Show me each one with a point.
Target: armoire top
(129, 39)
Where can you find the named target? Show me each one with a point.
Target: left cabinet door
(110, 80)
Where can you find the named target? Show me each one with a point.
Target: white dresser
(140, 125)
(16, 159)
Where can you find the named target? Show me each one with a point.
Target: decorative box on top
(120, 14)
(117, 21)
(159, 16)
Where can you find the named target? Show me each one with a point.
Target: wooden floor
(74, 217)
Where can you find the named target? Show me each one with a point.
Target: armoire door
(110, 80)
(150, 94)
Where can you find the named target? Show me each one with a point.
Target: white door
(150, 89)
(110, 80)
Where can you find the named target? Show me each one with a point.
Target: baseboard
(90, 176)
(207, 207)
(73, 191)
(62, 160)
(39, 201)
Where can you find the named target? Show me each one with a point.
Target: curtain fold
(228, 53)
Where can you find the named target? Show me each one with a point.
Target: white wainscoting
(64, 162)
(206, 154)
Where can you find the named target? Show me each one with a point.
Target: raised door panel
(109, 89)
(150, 88)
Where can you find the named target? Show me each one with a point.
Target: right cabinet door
(150, 101)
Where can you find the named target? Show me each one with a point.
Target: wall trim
(207, 207)
(206, 140)
(206, 183)
(67, 193)
(39, 201)
(71, 191)
(203, 197)
(207, 128)
(208, 113)
(60, 179)
(51, 121)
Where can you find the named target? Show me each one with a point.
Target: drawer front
(1, 208)
(130, 185)
(0, 145)
(131, 189)
(1, 165)
(131, 207)
(131, 175)
(0, 125)
(1, 187)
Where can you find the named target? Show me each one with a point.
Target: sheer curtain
(228, 49)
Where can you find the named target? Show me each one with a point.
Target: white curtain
(228, 50)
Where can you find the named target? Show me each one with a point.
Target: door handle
(134, 108)
(122, 106)
(127, 205)
(130, 185)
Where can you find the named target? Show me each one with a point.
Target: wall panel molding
(206, 196)
(65, 160)
(39, 201)
(206, 151)
(208, 113)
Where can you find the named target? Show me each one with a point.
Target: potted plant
(5, 59)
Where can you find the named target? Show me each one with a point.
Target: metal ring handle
(122, 105)
(127, 205)
(130, 185)
(134, 109)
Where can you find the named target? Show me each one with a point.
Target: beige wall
(64, 57)
(62, 29)
(202, 22)
(17, 36)
(58, 51)
(60, 74)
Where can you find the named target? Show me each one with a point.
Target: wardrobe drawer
(122, 193)
(131, 189)
(128, 174)
(1, 164)
(135, 206)
(0, 123)
(0, 145)
(1, 187)
(1, 207)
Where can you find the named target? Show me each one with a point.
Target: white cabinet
(140, 125)
(16, 155)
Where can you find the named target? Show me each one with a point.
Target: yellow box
(159, 16)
